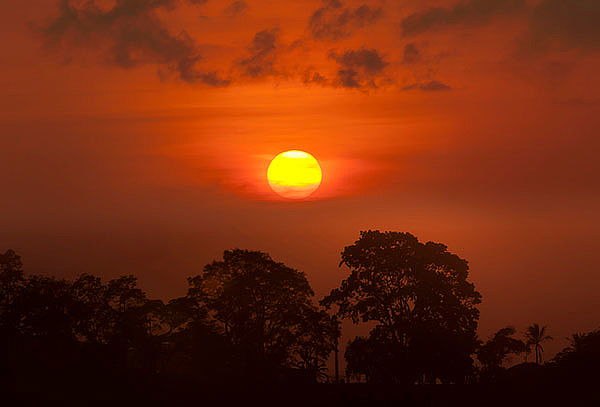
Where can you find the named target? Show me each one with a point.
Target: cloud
(236, 8)
(261, 61)
(565, 24)
(411, 54)
(311, 77)
(359, 68)
(131, 34)
(470, 12)
(429, 86)
(334, 21)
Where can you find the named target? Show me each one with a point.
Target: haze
(476, 126)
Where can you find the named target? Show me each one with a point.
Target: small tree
(492, 354)
(536, 335)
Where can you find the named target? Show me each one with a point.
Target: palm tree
(535, 335)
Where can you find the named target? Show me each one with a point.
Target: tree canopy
(265, 307)
(419, 296)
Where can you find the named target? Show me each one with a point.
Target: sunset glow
(164, 139)
(294, 174)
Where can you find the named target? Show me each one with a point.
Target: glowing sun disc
(294, 174)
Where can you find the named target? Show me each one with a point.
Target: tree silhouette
(361, 360)
(418, 295)
(492, 354)
(264, 308)
(579, 361)
(248, 322)
(377, 361)
(11, 285)
(527, 351)
(193, 345)
(536, 335)
(53, 329)
(317, 337)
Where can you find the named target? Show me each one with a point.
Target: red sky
(135, 136)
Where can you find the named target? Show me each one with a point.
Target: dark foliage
(579, 361)
(248, 332)
(245, 319)
(492, 354)
(424, 308)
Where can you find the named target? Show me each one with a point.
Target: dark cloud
(236, 8)
(334, 21)
(565, 24)
(131, 34)
(429, 86)
(470, 12)
(411, 53)
(311, 77)
(359, 68)
(261, 61)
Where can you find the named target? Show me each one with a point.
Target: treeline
(244, 318)
(249, 319)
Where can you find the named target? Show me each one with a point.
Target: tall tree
(419, 296)
(536, 335)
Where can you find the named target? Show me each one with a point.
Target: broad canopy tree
(421, 301)
(265, 309)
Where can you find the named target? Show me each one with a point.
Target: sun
(294, 174)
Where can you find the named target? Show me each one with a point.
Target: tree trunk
(337, 365)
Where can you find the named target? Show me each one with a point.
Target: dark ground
(179, 394)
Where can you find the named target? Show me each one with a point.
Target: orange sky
(139, 143)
